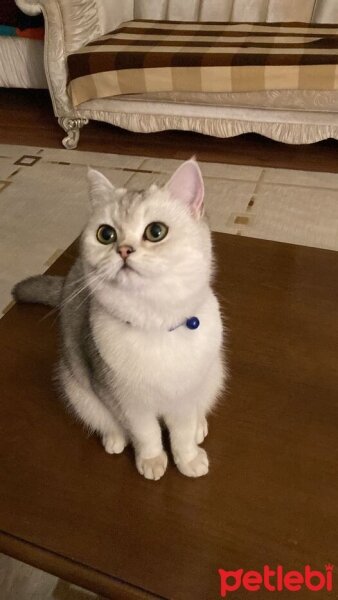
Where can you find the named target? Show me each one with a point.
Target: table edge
(71, 570)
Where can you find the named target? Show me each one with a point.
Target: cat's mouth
(127, 267)
(128, 270)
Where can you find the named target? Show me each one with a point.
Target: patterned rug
(43, 203)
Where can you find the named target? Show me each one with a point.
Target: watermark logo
(276, 580)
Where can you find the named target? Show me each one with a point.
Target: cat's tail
(44, 289)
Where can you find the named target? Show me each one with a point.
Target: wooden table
(271, 496)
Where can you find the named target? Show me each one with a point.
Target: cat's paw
(196, 467)
(152, 468)
(202, 430)
(114, 443)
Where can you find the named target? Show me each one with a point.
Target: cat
(141, 326)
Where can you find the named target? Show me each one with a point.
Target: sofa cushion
(164, 56)
(295, 100)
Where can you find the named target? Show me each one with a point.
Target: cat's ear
(187, 185)
(100, 188)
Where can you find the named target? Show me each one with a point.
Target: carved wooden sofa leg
(72, 128)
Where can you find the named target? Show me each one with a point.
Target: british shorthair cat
(141, 326)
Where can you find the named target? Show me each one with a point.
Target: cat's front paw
(114, 443)
(196, 467)
(152, 468)
(202, 430)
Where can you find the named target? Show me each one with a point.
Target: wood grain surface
(271, 495)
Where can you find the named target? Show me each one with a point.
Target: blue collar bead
(192, 323)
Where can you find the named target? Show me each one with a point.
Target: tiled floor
(19, 581)
(43, 203)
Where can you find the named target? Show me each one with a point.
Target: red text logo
(276, 580)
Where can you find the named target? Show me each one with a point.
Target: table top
(271, 495)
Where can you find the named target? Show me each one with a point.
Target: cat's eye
(106, 234)
(155, 232)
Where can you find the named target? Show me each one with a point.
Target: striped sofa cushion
(164, 56)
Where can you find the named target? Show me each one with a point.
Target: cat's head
(142, 240)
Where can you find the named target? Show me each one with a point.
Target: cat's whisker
(91, 292)
(50, 313)
(82, 278)
(56, 309)
(89, 281)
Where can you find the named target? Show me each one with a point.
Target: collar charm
(192, 323)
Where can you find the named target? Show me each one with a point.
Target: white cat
(141, 327)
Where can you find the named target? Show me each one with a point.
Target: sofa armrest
(71, 24)
(79, 20)
(28, 7)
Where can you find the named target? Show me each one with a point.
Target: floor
(19, 581)
(48, 186)
(37, 126)
(272, 191)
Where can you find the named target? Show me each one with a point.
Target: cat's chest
(157, 357)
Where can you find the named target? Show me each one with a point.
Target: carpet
(44, 205)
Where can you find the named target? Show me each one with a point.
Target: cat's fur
(128, 360)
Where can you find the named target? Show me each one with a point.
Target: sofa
(294, 116)
(21, 48)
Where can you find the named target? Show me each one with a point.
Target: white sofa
(291, 116)
(21, 63)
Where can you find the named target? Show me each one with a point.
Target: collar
(191, 323)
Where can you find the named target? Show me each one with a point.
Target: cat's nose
(124, 251)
